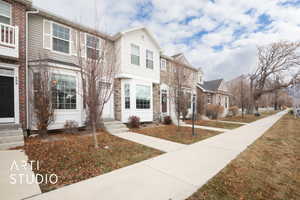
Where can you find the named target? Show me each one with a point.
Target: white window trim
(86, 45)
(149, 51)
(10, 7)
(165, 65)
(150, 96)
(139, 54)
(78, 100)
(70, 39)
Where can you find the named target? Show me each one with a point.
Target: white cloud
(225, 21)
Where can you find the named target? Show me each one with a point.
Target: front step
(6, 146)
(11, 135)
(5, 127)
(115, 127)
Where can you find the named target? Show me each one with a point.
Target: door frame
(166, 88)
(15, 75)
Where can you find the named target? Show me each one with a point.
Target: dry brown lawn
(268, 170)
(172, 133)
(215, 124)
(73, 158)
(248, 118)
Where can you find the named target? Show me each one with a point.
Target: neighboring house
(167, 105)
(214, 92)
(13, 61)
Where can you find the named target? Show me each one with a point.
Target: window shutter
(47, 34)
(83, 44)
(74, 42)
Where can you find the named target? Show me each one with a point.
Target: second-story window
(61, 38)
(5, 12)
(92, 47)
(163, 64)
(149, 59)
(135, 54)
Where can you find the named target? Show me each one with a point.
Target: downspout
(26, 67)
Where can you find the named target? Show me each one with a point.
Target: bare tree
(42, 98)
(274, 60)
(98, 70)
(179, 79)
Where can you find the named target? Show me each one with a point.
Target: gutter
(26, 67)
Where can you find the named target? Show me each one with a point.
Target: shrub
(214, 111)
(71, 126)
(167, 120)
(291, 112)
(134, 122)
(233, 110)
(257, 114)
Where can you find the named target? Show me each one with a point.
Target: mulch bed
(73, 158)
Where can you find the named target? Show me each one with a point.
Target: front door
(7, 108)
(164, 101)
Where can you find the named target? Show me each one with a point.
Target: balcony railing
(9, 40)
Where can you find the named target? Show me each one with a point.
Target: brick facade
(19, 19)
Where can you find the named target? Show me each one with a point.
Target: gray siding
(35, 49)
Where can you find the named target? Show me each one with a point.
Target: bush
(167, 120)
(291, 112)
(134, 122)
(214, 111)
(233, 110)
(257, 114)
(71, 126)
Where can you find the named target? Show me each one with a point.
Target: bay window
(5, 12)
(60, 38)
(63, 91)
(149, 59)
(135, 54)
(143, 97)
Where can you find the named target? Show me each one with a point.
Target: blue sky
(219, 36)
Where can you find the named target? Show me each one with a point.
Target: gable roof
(151, 35)
(54, 17)
(212, 85)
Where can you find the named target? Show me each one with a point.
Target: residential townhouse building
(141, 86)
(13, 62)
(138, 88)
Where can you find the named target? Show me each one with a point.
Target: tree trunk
(94, 130)
(43, 132)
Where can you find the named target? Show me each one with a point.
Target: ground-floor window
(127, 96)
(64, 91)
(143, 97)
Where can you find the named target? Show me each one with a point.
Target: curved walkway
(173, 175)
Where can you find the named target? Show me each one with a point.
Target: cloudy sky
(220, 36)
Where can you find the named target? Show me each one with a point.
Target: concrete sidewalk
(156, 143)
(174, 175)
(11, 167)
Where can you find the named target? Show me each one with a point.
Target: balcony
(9, 41)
